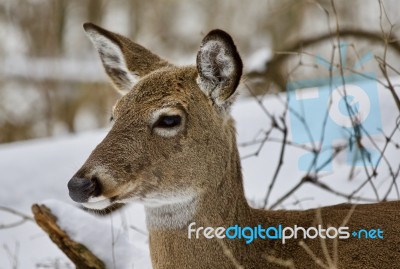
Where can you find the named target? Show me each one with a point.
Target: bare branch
(23, 219)
(79, 254)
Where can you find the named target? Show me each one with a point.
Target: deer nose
(81, 189)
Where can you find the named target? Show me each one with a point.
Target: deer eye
(168, 121)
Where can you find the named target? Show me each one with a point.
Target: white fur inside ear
(217, 68)
(216, 64)
(114, 62)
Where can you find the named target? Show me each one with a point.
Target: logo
(279, 232)
(338, 109)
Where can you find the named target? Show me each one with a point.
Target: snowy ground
(35, 171)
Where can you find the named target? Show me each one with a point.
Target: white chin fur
(97, 203)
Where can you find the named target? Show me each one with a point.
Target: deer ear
(124, 61)
(219, 67)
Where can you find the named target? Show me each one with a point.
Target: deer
(172, 147)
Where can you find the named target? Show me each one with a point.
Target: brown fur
(203, 159)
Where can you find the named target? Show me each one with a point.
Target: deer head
(172, 134)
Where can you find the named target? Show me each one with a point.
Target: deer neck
(226, 204)
(223, 204)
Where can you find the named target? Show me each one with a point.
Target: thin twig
(23, 216)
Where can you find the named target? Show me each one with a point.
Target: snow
(36, 171)
(90, 69)
(63, 69)
(114, 247)
(256, 62)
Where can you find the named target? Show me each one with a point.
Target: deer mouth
(102, 204)
(98, 203)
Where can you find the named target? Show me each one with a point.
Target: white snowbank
(63, 69)
(106, 237)
(257, 61)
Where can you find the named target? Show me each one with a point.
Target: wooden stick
(79, 254)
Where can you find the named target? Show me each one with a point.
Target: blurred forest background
(52, 82)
